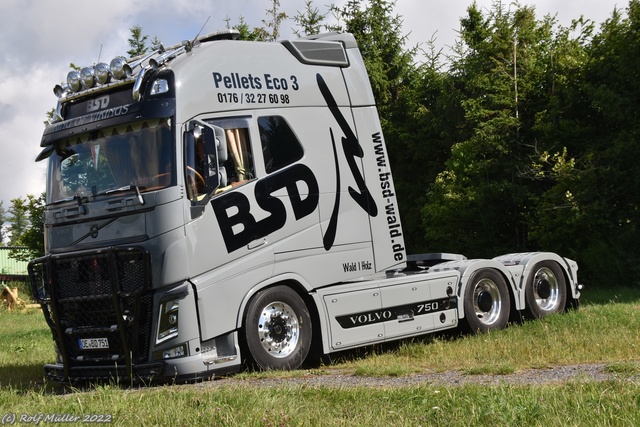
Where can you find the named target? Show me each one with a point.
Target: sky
(39, 39)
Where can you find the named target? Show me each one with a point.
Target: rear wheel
(278, 328)
(486, 301)
(546, 290)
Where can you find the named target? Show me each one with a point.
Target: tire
(278, 329)
(546, 290)
(486, 301)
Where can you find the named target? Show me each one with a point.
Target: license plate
(93, 343)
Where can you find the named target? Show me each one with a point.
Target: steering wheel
(196, 181)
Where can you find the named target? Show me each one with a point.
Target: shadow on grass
(607, 295)
(27, 378)
(362, 353)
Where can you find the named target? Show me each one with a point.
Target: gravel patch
(342, 379)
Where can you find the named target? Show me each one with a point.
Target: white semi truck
(223, 201)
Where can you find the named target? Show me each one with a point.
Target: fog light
(174, 352)
(171, 353)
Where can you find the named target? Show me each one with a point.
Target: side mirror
(214, 149)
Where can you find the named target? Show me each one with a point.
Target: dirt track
(341, 379)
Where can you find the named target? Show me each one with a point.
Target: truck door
(221, 227)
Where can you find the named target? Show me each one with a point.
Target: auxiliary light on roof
(121, 70)
(100, 74)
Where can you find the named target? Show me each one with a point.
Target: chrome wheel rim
(278, 329)
(487, 302)
(546, 289)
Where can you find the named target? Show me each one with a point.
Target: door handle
(257, 243)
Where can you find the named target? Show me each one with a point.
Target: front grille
(96, 295)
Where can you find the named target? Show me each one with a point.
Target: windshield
(137, 154)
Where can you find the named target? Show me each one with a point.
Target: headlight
(168, 320)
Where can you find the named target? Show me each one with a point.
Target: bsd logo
(98, 103)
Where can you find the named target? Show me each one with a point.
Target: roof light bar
(120, 69)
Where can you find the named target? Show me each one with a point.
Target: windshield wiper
(124, 188)
(67, 199)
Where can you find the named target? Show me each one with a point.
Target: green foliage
(18, 220)
(591, 209)
(310, 21)
(275, 17)
(378, 33)
(3, 219)
(137, 42)
(543, 155)
(477, 204)
(33, 236)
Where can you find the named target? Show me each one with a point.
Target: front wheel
(278, 329)
(486, 301)
(546, 290)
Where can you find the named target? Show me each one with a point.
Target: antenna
(100, 54)
(197, 35)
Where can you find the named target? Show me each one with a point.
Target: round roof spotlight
(73, 81)
(117, 67)
(61, 89)
(103, 73)
(87, 77)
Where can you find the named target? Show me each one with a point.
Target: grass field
(604, 330)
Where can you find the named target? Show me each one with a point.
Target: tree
(33, 236)
(380, 39)
(478, 204)
(593, 211)
(246, 32)
(137, 42)
(3, 219)
(310, 20)
(275, 18)
(18, 220)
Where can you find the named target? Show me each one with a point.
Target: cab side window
(236, 170)
(280, 146)
(239, 165)
(239, 168)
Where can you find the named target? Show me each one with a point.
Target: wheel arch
(295, 282)
(529, 260)
(468, 268)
